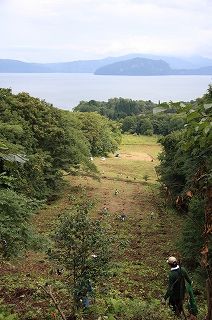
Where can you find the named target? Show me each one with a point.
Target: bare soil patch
(138, 156)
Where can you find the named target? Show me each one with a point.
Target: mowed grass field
(138, 157)
(142, 245)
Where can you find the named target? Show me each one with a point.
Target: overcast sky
(68, 30)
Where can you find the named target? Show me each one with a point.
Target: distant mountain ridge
(152, 65)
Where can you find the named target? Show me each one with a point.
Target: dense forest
(137, 116)
(39, 144)
(49, 141)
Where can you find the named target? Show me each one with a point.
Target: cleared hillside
(141, 248)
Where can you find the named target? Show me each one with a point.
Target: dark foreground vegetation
(44, 151)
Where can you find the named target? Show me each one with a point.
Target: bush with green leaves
(192, 234)
(16, 233)
(146, 177)
(186, 171)
(5, 316)
(82, 248)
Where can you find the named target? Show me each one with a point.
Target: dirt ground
(137, 156)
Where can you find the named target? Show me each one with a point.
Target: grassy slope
(149, 241)
(142, 245)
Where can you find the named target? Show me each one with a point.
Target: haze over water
(66, 90)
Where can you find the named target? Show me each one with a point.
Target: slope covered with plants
(47, 168)
(51, 139)
(38, 144)
(186, 172)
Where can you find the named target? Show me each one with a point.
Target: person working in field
(123, 216)
(176, 288)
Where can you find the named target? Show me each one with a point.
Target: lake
(66, 90)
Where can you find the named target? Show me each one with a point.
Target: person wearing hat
(176, 287)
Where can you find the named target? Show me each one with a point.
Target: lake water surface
(66, 90)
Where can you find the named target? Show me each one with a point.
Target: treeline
(137, 116)
(185, 173)
(116, 108)
(52, 141)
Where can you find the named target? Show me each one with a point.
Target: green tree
(144, 126)
(129, 124)
(16, 233)
(171, 170)
(82, 248)
(177, 122)
(50, 138)
(198, 144)
(102, 134)
(193, 175)
(192, 234)
(160, 122)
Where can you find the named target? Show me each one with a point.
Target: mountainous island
(148, 67)
(128, 65)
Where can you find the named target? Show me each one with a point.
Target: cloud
(45, 30)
